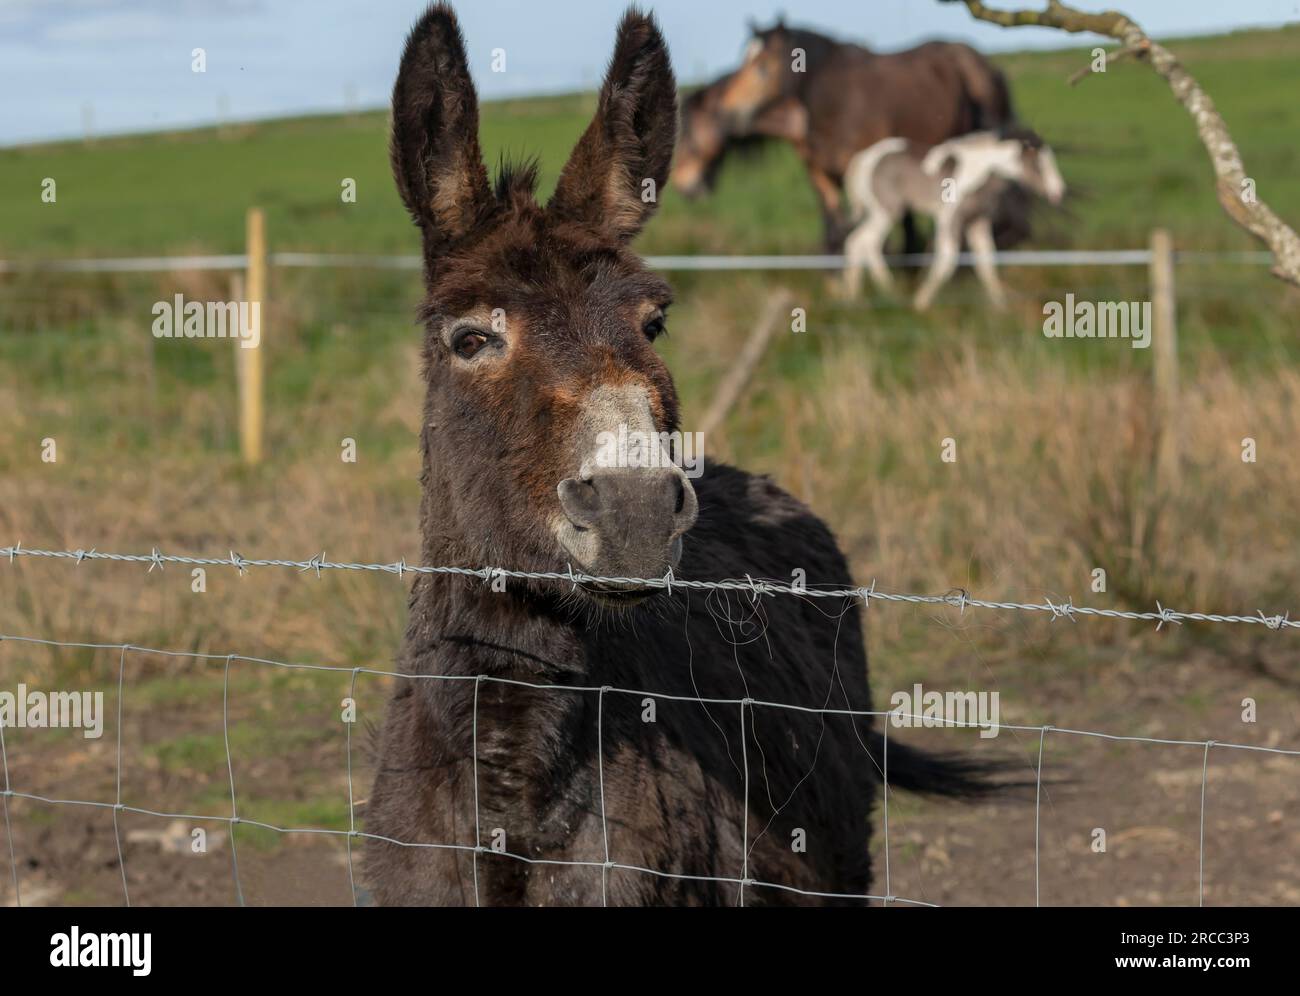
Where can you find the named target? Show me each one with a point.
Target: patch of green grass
(81, 897)
(1197, 703)
(190, 751)
(42, 815)
(320, 813)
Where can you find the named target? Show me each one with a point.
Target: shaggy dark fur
(493, 449)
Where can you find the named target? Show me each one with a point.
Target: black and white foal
(958, 183)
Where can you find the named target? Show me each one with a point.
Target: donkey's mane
(516, 180)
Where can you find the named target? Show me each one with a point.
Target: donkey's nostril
(580, 502)
(688, 505)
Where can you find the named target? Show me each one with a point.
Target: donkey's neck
(502, 743)
(469, 626)
(463, 626)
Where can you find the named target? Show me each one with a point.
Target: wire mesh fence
(741, 881)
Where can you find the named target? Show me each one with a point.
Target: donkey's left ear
(434, 148)
(613, 179)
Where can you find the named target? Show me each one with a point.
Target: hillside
(1124, 146)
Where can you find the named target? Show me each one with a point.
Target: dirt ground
(1145, 797)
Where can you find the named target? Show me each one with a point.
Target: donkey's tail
(948, 775)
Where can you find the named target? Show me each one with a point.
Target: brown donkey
(539, 336)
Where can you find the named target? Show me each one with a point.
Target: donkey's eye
(468, 341)
(655, 328)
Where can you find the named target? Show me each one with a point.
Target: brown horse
(833, 99)
(515, 766)
(707, 137)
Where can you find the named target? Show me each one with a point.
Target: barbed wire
(958, 598)
(897, 716)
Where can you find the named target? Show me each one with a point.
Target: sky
(68, 67)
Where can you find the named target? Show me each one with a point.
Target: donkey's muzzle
(627, 522)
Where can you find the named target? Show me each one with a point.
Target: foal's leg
(982, 244)
(865, 246)
(947, 247)
(855, 259)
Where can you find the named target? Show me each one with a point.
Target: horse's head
(540, 322)
(708, 135)
(766, 74)
(701, 142)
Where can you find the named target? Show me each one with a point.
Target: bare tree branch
(1235, 190)
(1111, 58)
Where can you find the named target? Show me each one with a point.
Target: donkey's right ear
(434, 149)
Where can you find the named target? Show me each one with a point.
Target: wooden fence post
(1164, 340)
(737, 378)
(249, 361)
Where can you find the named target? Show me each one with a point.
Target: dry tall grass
(1054, 477)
